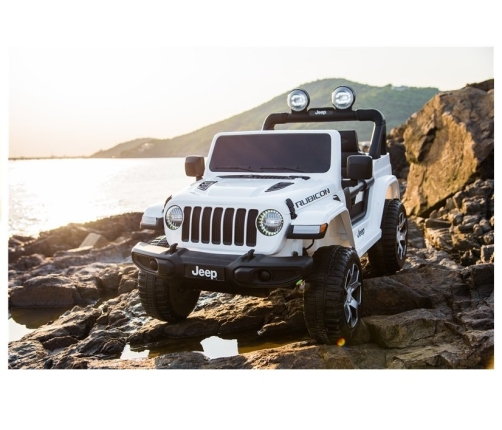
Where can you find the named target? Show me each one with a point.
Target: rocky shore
(438, 312)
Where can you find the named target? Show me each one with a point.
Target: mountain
(396, 103)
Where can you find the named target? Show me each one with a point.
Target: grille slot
(219, 226)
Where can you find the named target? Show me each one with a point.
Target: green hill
(396, 103)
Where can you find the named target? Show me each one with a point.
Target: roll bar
(378, 144)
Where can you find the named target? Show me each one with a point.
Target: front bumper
(221, 272)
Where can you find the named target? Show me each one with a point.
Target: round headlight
(269, 222)
(343, 98)
(174, 217)
(298, 100)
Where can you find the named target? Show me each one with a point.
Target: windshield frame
(278, 152)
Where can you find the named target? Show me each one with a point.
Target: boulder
(94, 240)
(45, 291)
(449, 144)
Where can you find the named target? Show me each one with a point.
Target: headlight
(174, 217)
(343, 98)
(269, 222)
(298, 100)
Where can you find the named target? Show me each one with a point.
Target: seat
(349, 146)
(356, 204)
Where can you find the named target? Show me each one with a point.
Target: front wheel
(163, 301)
(332, 301)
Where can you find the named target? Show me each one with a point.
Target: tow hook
(302, 286)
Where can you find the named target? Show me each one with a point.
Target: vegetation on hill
(396, 103)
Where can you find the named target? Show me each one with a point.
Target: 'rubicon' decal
(305, 201)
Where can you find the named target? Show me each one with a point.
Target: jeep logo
(360, 232)
(211, 274)
(320, 112)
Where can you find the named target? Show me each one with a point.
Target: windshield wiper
(293, 168)
(245, 168)
(265, 176)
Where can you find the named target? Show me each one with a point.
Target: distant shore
(45, 158)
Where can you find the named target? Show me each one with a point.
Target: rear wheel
(388, 255)
(332, 301)
(163, 301)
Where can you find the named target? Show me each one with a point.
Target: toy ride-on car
(270, 209)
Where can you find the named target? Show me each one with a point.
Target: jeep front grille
(219, 226)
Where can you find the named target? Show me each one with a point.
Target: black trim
(378, 145)
(241, 273)
(158, 226)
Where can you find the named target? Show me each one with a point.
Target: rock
(426, 317)
(49, 291)
(449, 144)
(94, 240)
(109, 278)
(73, 235)
(487, 253)
(418, 327)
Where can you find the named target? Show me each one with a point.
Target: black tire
(163, 301)
(388, 255)
(333, 298)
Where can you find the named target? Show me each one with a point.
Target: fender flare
(153, 218)
(335, 214)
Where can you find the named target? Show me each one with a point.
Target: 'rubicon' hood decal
(312, 198)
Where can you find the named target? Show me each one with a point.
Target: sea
(49, 193)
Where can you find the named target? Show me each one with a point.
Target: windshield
(272, 153)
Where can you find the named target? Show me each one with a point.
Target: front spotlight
(298, 100)
(343, 98)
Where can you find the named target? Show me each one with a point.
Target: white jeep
(280, 209)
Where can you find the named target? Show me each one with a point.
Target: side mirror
(195, 166)
(359, 167)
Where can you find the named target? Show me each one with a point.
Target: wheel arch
(153, 217)
(385, 188)
(336, 215)
(340, 230)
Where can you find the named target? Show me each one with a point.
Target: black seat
(349, 146)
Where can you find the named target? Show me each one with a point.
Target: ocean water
(46, 194)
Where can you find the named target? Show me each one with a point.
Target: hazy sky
(75, 101)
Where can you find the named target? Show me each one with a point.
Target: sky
(68, 101)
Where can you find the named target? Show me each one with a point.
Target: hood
(246, 187)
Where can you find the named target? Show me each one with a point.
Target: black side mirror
(359, 167)
(195, 166)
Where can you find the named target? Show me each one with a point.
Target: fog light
(265, 276)
(153, 265)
